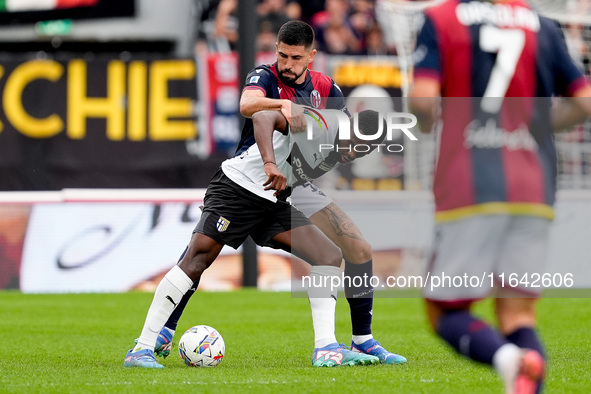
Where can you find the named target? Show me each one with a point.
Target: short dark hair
(369, 124)
(296, 33)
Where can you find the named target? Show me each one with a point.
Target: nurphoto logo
(394, 122)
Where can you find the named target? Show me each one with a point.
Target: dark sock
(469, 336)
(174, 318)
(526, 337)
(359, 294)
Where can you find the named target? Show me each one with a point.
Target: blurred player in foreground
(273, 87)
(247, 196)
(495, 64)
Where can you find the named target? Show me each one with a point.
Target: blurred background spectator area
(341, 26)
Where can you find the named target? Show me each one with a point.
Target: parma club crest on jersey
(315, 98)
(222, 224)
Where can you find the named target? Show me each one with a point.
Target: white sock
(170, 331)
(506, 361)
(323, 302)
(359, 339)
(168, 294)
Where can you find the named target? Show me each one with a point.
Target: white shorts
(309, 199)
(474, 255)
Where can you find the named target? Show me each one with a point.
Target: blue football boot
(374, 348)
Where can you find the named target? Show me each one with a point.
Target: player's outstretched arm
(573, 110)
(254, 100)
(265, 123)
(423, 102)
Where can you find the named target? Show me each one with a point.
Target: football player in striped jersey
(495, 65)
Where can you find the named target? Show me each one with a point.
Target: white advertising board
(113, 246)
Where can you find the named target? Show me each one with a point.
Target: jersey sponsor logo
(279, 89)
(492, 136)
(315, 98)
(303, 170)
(222, 224)
(254, 79)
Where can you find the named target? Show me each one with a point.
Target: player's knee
(193, 266)
(357, 251)
(329, 254)
(333, 258)
(336, 257)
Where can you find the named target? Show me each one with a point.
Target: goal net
(401, 19)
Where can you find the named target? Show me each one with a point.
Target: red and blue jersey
(317, 91)
(498, 64)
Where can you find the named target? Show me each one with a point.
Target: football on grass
(202, 346)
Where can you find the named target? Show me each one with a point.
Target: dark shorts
(232, 213)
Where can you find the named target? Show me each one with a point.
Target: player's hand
(295, 116)
(276, 181)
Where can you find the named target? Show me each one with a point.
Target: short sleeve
(336, 99)
(258, 78)
(568, 77)
(426, 57)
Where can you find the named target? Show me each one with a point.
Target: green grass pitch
(76, 343)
